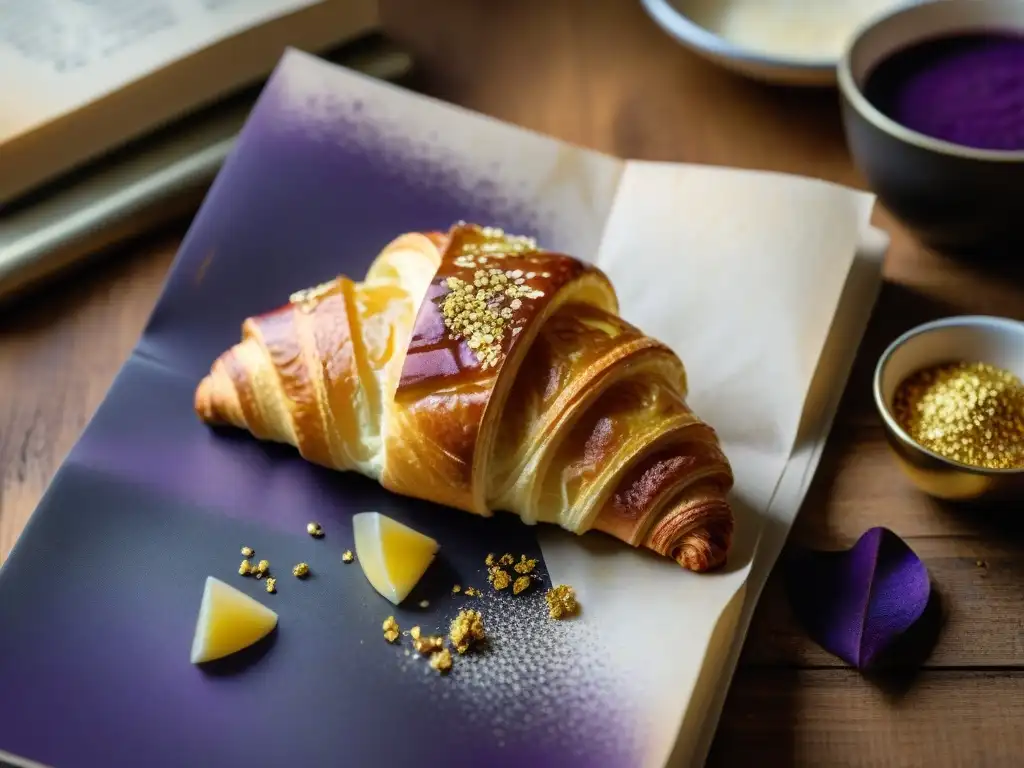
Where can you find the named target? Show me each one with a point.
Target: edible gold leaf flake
(561, 602)
(466, 629)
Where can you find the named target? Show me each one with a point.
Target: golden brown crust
(475, 370)
(489, 296)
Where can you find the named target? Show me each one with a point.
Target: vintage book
(79, 78)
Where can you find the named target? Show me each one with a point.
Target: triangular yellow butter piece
(393, 556)
(229, 620)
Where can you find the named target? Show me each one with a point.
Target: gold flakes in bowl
(972, 413)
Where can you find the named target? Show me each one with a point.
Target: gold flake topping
(466, 629)
(500, 579)
(562, 602)
(442, 660)
(525, 566)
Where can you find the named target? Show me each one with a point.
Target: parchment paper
(741, 273)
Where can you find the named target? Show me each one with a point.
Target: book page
(57, 55)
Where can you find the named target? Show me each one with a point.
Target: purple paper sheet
(98, 599)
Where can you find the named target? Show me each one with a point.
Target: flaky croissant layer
(476, 370)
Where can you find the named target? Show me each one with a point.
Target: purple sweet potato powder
(967, 90)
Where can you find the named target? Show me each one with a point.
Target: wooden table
(602, 75)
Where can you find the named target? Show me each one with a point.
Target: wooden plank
(61, 349)
(823, 718)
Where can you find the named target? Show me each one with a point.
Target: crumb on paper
(391, 629)
(248, 551)
(442, 660)
(245, 568)
(525, 566)
(562, 602)
(489, 560)
(428, 644)
(500, 579)
(456, 589)
(301, 570)
(466, 629)
(347, 556)
(522, 583)
(315, 530)
(506, 559)
(271, 585)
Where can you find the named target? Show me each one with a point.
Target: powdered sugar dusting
(550, 679)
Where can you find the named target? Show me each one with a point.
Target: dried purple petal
(855, 603)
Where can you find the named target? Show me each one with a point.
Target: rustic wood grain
(603, 76)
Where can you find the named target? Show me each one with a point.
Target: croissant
(476, 370)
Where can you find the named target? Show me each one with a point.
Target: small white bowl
(704, 27)
(967, 338)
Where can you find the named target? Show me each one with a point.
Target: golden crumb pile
(521, 584)
(562, 602)
(525, 566)
(391, 629)
(466, 629)
(499, 578)
(428, 644)
(506, 559)
(347, 556)
(442, 660)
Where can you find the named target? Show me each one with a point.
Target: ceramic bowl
(957, 200)
(969, 338)
(713, 29)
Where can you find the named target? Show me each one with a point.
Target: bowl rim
(686, 30)
(883, 408)
(856, 98)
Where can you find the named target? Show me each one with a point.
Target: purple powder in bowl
(967, 90)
